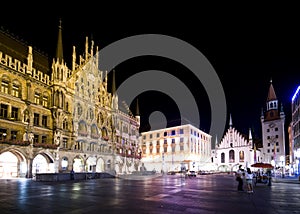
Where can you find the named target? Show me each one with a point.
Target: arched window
(37, 97)
(241, 156)
(231, 156)
(223, 157)
(16, 89)
(65, 124)
(5, 85)
(45, 100)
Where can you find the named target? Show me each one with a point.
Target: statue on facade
(57, 137)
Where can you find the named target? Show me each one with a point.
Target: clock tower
(273, 137)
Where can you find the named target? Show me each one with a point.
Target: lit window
(4, 87)
(37, 98)
(15, 91)
(45, 101)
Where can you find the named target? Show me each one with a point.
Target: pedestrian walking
(249, 180)
(239, 178)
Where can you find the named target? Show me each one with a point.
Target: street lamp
(282, 160)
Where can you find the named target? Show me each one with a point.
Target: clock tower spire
(273, 130)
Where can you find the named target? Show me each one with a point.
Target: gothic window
(104, 133)
(4, 86)
(36, 119)
(94, 131)
(45, 120)
(16, 90)
(65, 124)
(223, 157)
(3, 111)
(14, 113)
(241, 156)
(35, 138)
(45, 100)
(65, 142)
(79, 109)
(91, 114)
(82, 128)
(13, 135)
(44, 139)
(37, 98)
(231, 156)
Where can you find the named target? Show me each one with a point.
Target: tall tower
(273, 137)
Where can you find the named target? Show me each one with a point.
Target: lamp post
(282, 160)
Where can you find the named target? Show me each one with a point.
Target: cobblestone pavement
(165, 194)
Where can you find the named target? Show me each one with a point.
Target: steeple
(250, 134)
(272, 112)
(271, 94)
(113, 87)
(137, 110)
(216, 143)
(230, 122)
(115, 99)
(137, 113)
(59, 49)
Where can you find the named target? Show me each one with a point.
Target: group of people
(242, 175)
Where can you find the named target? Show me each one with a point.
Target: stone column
(29, 168)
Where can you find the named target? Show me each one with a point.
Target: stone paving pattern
(207, 194)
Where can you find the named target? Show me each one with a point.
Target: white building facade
(176, 148)
(273, 135)
(233, 150)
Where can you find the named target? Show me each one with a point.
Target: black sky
(247, 48)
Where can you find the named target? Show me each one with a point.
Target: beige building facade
(54, 118)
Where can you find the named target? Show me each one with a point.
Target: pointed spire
(230, 121)
(271, 94)
(216, 143)
(59, 48)
(137, 110)
(113, 89)
(74, 59)
(250, 134)
(29, 60)
(86, 47)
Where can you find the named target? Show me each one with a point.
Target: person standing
(239, 178)
(249, 180)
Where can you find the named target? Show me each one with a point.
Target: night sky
(247, 48)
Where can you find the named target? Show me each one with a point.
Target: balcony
(15, 142)
(45, 145)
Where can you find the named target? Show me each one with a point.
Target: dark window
(44, 120)
(36, 138)
(36, 119)
(44, 139)
(13, 135)
(14, 113)
(3, 110)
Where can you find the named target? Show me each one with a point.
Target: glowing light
(297, 91)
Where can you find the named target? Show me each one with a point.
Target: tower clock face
(271, 125)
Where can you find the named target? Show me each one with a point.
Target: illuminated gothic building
(172, 148)
(54, 118)
(235, 149)
(273, 135)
